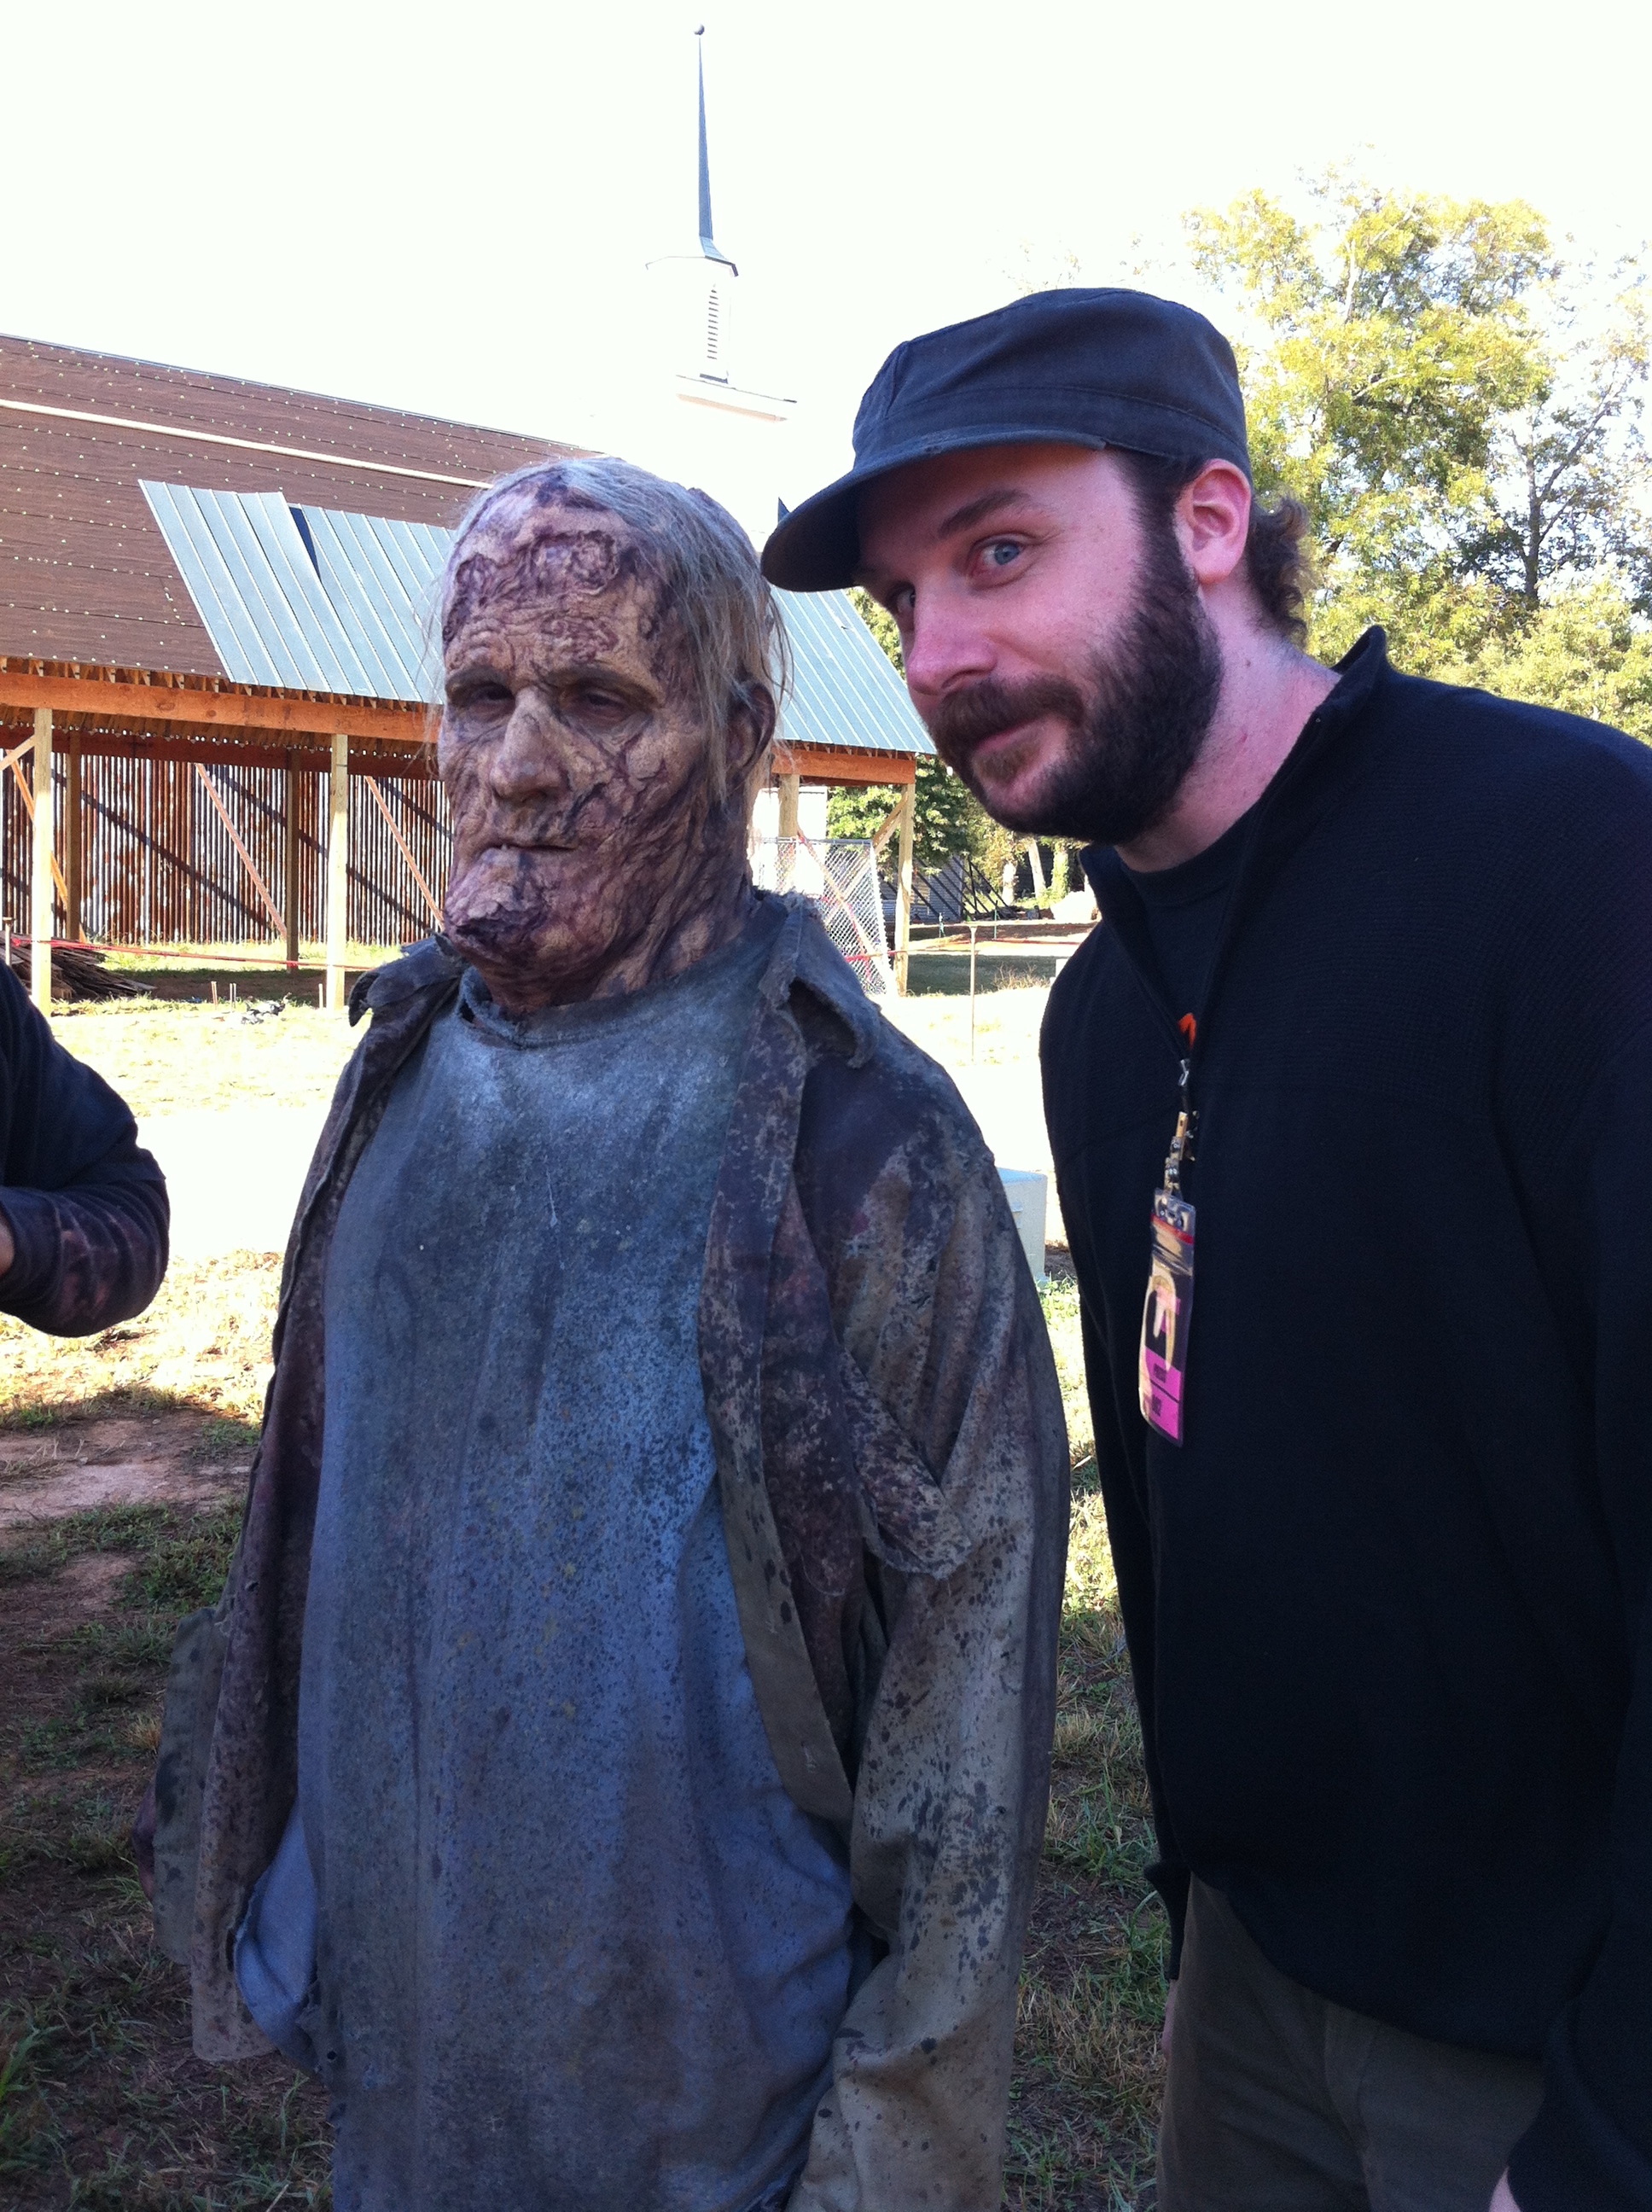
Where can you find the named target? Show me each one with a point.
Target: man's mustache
(965, 720)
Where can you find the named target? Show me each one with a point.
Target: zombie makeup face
(591, 851)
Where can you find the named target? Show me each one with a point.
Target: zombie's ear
(751, 720)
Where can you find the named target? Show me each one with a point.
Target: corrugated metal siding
(160, 866)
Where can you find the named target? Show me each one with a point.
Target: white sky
(449, 209)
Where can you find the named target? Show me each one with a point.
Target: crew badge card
(1165, 1317)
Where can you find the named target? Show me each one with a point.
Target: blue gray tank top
(575, 1946)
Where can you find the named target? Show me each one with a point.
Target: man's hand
(1164, 2044)
(1502, 2197)
(8, 1246)
(143, 1842)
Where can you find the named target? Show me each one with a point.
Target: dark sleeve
(1591, 2140)
(87, 1208)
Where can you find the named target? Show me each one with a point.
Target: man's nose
(530, 761)
(947, 646)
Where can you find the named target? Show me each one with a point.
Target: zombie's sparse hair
(1278, 559)
(704, 568)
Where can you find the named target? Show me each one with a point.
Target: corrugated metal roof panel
(844, 691)
(360, 616)
(257, 590)
(371, 599)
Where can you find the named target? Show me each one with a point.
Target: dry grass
(164, 1057)
(205, 1344)
(1006, 1025)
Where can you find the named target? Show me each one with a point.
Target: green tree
(1458, 408)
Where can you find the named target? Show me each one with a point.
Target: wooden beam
(379, 757)
(74, 855)
(13, 761)
(903, 886)
(405, 849)
(292, 883)
(338, 832)
(791, 786)
(824, 764)
(238, 710)
(259, 884)
(888, 826)
(40, 987)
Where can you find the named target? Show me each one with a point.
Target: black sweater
(88, 1208)
(1387, 1603)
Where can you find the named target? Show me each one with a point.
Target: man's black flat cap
(1071, 367)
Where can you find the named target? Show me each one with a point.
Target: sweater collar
(1360, 672)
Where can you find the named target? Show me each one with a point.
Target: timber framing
(138, 713)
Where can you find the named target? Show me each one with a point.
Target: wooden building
(213, 652)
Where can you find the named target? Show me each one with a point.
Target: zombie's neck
(672, 933)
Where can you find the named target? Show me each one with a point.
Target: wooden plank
(46, 868)
(903, 885)
(291, 884)
(75, 855)
(338, 831)
(412, 760)
(822, 764)
(405, 848)
(115, 703)
(235, 839)
(15, 762)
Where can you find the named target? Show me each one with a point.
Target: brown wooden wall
(160, 868)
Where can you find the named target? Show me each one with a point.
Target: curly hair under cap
(1278, 556)
(705, 569)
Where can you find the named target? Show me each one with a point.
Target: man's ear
(1212, 519)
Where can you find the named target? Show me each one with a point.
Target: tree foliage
(1457, 406)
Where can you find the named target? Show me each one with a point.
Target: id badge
(1166, 1316)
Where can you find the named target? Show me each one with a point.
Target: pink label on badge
(1164, 1395)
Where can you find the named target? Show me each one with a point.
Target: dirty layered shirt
(577, 1945)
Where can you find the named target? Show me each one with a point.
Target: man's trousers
(1279, 2101)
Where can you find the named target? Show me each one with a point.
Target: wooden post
(291, 884)
(40, 900)
(75, 856)
(903, 887)
(790, 787)
(338, 832)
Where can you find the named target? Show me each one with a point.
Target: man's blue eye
(1002, 551)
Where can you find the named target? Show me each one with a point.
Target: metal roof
(844, 691)
(315, 601)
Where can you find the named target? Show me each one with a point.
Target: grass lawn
(101, 2103)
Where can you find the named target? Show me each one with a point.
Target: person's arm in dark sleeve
(85, 1205)
(1591, 2143)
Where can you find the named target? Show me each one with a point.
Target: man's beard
(1136, 731)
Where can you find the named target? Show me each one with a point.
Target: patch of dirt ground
(110, 1529)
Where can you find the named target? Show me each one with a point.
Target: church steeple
(708, 244)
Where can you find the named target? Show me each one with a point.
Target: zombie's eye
(479, 697)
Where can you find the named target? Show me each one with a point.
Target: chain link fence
(840, 874)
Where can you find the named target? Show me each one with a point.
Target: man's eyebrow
(979, 509)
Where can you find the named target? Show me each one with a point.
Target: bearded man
(1362, 1047)
(618, 1761)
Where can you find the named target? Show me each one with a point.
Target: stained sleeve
(953, 1780)
(86, 1204)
